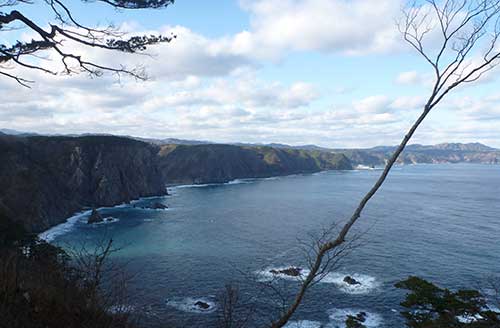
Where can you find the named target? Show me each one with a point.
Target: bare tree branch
(68, 28)
(466, 27)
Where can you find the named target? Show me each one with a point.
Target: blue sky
(330, 72)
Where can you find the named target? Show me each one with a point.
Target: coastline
(62, 228)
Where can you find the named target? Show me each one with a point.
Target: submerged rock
(291, 271)
(351, 281)
(159, 206)
(154, 206)
(94, 217)
(202, 305)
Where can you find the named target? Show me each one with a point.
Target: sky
(334, 73)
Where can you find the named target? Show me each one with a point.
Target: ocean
(439, 222)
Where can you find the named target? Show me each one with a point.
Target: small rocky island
(94, 217)
(291, 271)
(202, 305)
(351, 281)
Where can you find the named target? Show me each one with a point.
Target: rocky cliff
(214, 163)
(46, 179)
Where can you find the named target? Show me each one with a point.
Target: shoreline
(62, 228)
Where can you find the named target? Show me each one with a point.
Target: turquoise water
(440, 222)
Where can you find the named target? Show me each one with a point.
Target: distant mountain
(376, 156)
(16, 133)
(431, 154)
(172, 141)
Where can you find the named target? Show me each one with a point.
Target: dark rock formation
(94, 217)
(158, 206)
(291, 271)
(202, 305)
(356, 321)
(351, 281)
(44, 180)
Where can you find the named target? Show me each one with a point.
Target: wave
(121, 309)
(304, 324)
(338, 317)
(67, 226)
(63, 228)
(188, 304)
(203, 185)
(107, 220)
(367, 283)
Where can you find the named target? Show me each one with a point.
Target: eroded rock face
(44, 180)
(291, 271)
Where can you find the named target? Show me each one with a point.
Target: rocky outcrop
(94, 217)
(44, 180)
(351, 281)
(202, 305)
(291, 271)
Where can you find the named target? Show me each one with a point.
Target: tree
(429, 306)
(468, 32)
(66, 28)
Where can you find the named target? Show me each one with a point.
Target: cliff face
(222, 163)
(46, 179)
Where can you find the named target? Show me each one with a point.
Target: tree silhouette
(67, 28)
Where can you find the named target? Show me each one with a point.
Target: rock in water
(351, 281)
(159, 206)
(202, 305)
(94, 217)
(292, 271)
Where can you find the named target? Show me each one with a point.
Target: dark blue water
(440, 222)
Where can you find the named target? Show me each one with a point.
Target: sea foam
(304, 324)
(367, 283)
(187, 304)
(63, 228)
(339, 316)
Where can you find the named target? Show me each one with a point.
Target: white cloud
(350, 27)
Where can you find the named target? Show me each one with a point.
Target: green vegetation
(429, 306)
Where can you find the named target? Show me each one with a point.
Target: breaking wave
(366, 283)
(338, 317)
(188, 304)
(63, 228)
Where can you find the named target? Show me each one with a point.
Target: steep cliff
(213, 163)
(46, 179)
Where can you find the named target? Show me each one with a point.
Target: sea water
(439, 222)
